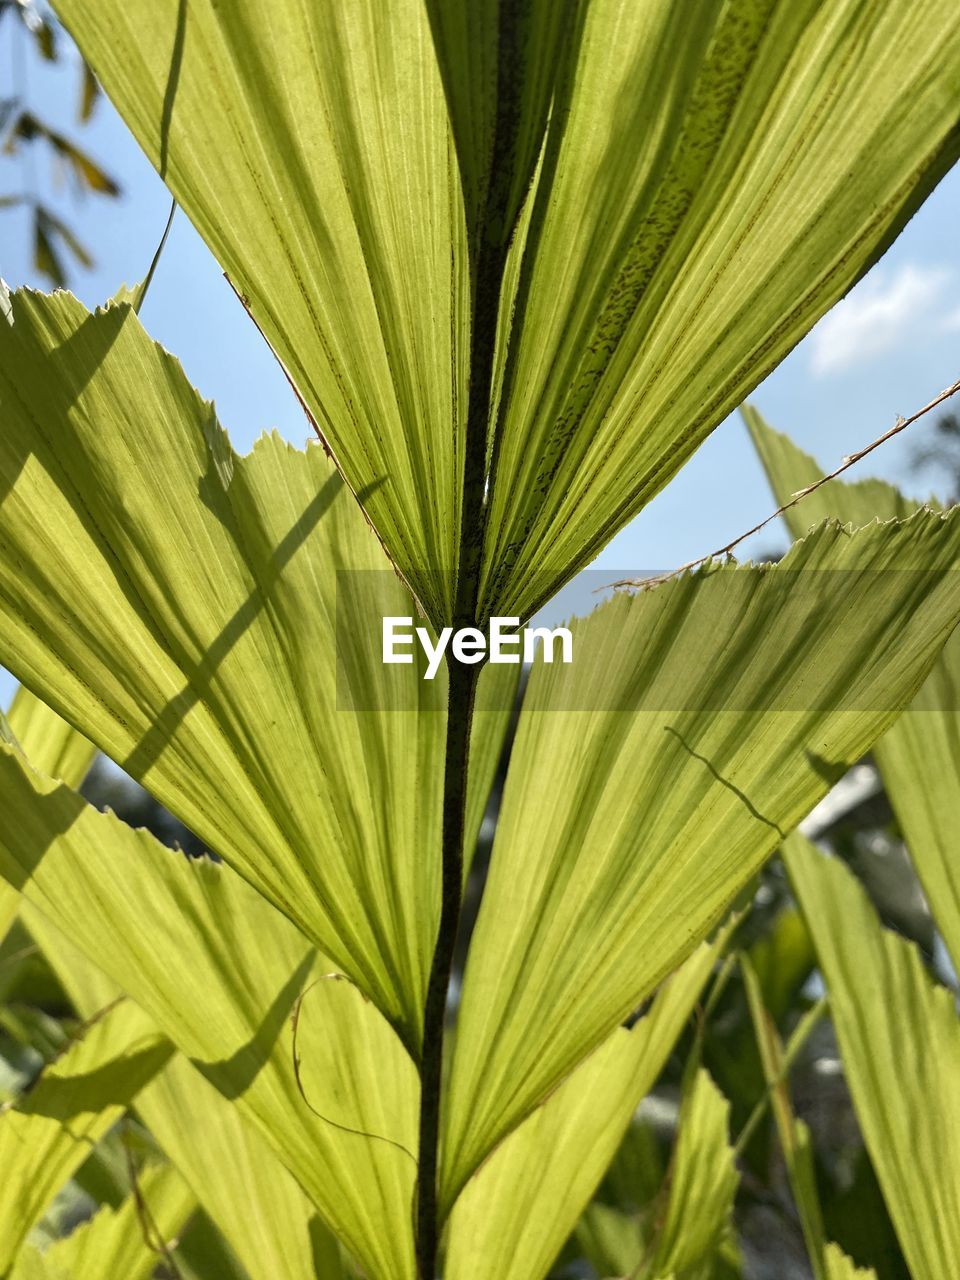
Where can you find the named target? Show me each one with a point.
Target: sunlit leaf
(327, 126)
(500, 62)
(49, 1133)
(702, 1183)
(712, 183)
(611, 1239)
(794, 1135)
(514, 1215)
(199, 631)
(55, 749)
(789, 469)
(899, 1037)
(220, 972)
(706, 190)
(839, 1266)
(919, 757)
(50, 744)
(9, 903)
(271, 1225)
(267, 1219)
(32, 1265)
(126, 1241)
(491, 723)
(262, 1212)
(698, 723)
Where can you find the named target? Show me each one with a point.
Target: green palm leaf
(514, 1215)
(115, 1242)
(48, 742)
(827, 1259)
(219, 971)
(840, 1267)
(702, 1183)
(900, 1040)
(708, 184)
(49, 1133)
(55, 748)
(652, 777)
(500, 62)
(265, 1217)
(171, 630)
(233, 1173)
(919, 756)
(271, 1225)
(310, 146)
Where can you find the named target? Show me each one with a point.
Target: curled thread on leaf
(336, 1124)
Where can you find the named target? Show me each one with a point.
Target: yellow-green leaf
(701, 1185)
(500, 62)
(127, 1241)
(266, 1218)
(789, 469)
(220, 971)
(840, 1267)
(190, 611)
(9, 903)
(794, 1135)
(50, 744)
(260, 1209)
(49, 1133)
(310, 146)
(705, 191)
(899, 1038)
(512, 1218)
(711, 185)
(919, 757)
(698, 722)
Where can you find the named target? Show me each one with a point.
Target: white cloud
(881, 314)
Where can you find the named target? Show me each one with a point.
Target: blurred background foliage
(49, 168)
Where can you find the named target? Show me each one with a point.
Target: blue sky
(885, 350)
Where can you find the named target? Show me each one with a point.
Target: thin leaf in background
(919, 757)
(899, 1036)
(795, 1139)
(702, 1182)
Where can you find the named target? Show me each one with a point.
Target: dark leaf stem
(462, 691)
